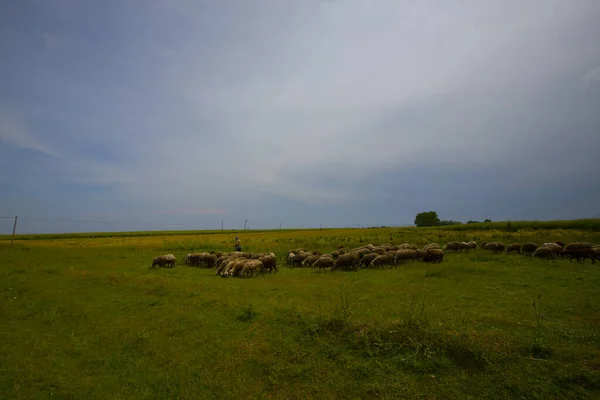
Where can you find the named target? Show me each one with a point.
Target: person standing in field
(238, 244)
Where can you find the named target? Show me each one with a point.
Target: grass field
(85, 318)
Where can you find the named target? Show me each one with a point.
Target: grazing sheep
(362, 252)
(543, 252)
(237, 268)
(382, 260)
(529, 248)
(367, 258)
(420, 254)
(431, 246)
(324, 262)
(581, 254)
(472, 245)
(335, 254)
(483, 245)
(269, 263)
(298, 258)
(308, 261)
(403, 256)
(493, 247)
(578, 245)
(501, 246)
(348, 260)
(513, 248)
(556, 249)
(162, 261)
(433, 255)
(252, 266)
(454, 246)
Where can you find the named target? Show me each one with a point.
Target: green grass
(86, 318)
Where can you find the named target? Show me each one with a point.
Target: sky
(135, 115)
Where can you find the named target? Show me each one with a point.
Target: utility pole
(14, 230)
(221, 225)
(280, 226)
(321, 226)
(245, 222)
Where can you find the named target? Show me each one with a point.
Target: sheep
(433, 255)
(367, 258)
(529, 248)
(162, 261)
(501, 246)
(493, 247)
(455, 246)
(382, 260)
(252, 266)
(347, 260)
(513, 248)
(472, 245)
(324, 262)
(269, 263)
(578, 245)
(420, 254)
(335, 254)
(581, 254)
(556, 249)
(308, 261)
(431, 246)
(405, 255)
(362, 252)
(542, 252)
(483, 245)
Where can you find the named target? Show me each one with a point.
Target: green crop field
(85, 317)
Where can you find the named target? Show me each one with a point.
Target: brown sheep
(348, 260)
(433, 255)
(335, 254)
(269, 263)
(308, 261)
(324, 262)
(483, 245)
(581, 254)
(542, 252)
(493, 247)
(578, 245)
(162, 261)
(454, 246)
(252, 266)
(405, 255)
(513, 248)
(367, 258)
(431, 246)
(529, 248)
(472, 245)
(556, 249)
(382, 260)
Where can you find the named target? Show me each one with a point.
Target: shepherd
(238, 244)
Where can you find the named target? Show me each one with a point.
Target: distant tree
(428, 218)
(473, 222)
(449, 222)
(487, 220)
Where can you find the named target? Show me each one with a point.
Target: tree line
(431, 218)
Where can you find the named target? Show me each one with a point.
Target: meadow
(85, 318)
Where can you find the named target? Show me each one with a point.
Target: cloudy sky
(180, 114)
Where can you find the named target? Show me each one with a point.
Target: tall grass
(88, 318)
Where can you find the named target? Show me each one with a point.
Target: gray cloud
(312, 112)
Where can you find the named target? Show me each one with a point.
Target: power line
(98, 222)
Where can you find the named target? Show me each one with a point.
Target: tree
(429, 218)
(487, 220)
(450, 222)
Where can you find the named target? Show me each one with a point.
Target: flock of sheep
(248, 264)
(235, 263)
(367, 256)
